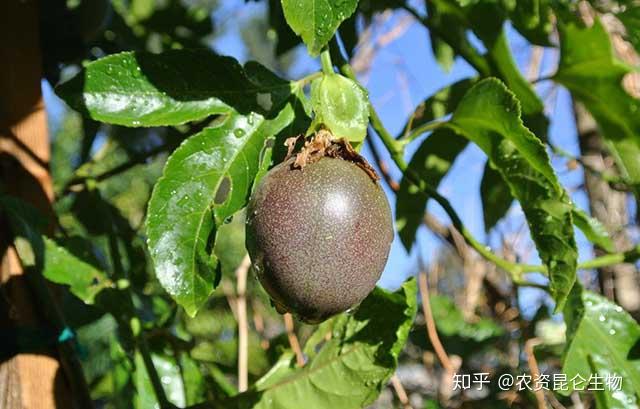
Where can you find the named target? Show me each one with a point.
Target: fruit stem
(325, 60)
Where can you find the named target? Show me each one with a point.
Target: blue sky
(403, 74)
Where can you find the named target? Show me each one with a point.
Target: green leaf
(432, 404)
(496, 197)
(500, 54)
(532, 19)
(593, 230)
(26, 223)
(352, 367)
(145, 395)
(489, 115)
(630, 17)
(96, 338)
(316, 21)
(286, 38)
(206, 180)
(341, 105)
(445, 55)
(173, 384)
(178, 86)
(432, 160)
(443, 102)
(590, 71)
(626, 153)
(602, 339)
(450, 322)
(450, 18)
(55, 262)
(195, 388)
(431, 163)
(62, 267)
(487, 20)
(504, 66)
(462, 337)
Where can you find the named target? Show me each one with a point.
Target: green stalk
(325, 60)
(516, 270)
(628, 256)
(396, 149)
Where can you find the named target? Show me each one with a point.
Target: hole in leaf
(222, 194)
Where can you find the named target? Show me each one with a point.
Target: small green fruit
(318, 237)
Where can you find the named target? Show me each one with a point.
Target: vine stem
(293, 339)
(533, 368)
(401, 392)
(243, 326)
(431, 325)
(396, 151)
(628, 256)
(616, 182)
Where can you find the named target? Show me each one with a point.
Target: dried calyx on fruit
(319, 229)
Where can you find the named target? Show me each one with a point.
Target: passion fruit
(318, 236)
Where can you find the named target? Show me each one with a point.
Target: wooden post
(26, 380)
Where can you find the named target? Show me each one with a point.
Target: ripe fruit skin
(318, 237)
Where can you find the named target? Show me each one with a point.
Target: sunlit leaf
(352, 367)
(54, 262)
(532, 19)
(84, 280)
(590, 71)
(170, 374)
(450, 322)
(630, 17)
(593, 230)
(316, 21)
(206, 180)
(602, 339)
(489, 115)
(487, 19)
(178, 86)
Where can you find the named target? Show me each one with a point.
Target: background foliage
(163, 139)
